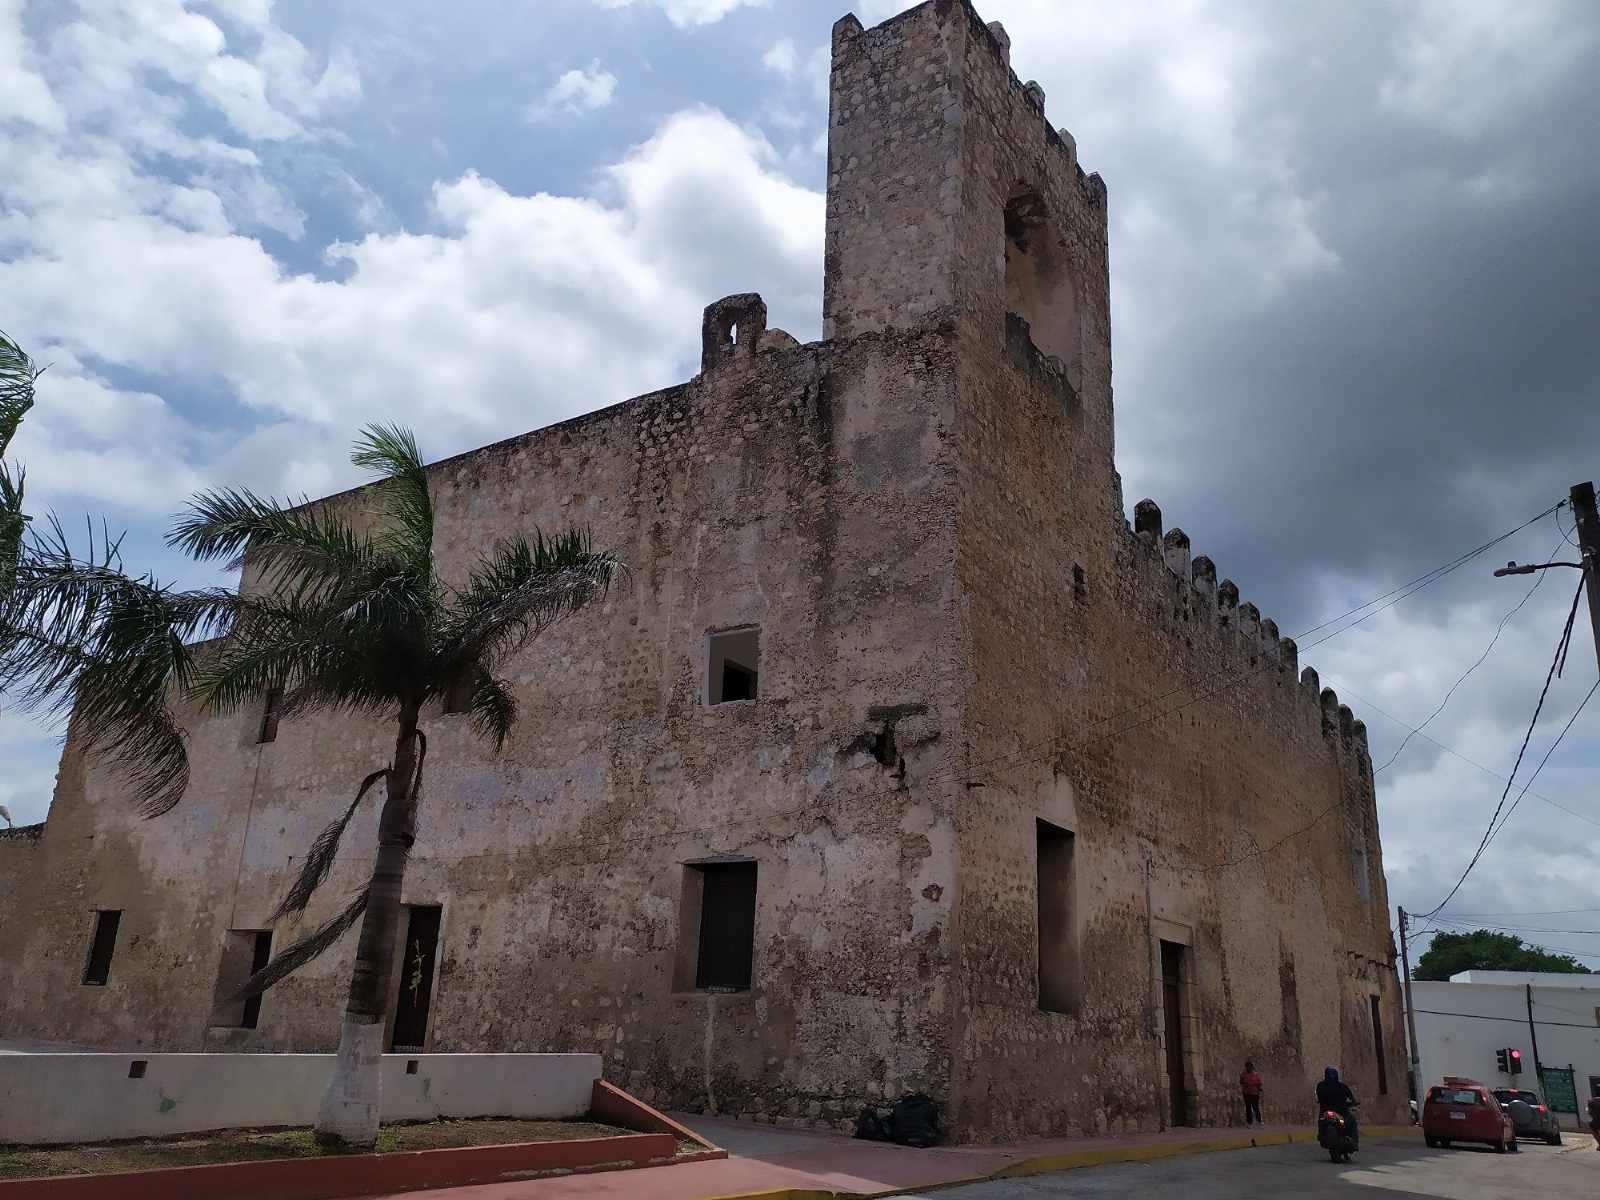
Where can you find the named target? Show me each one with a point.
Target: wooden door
(416, 980)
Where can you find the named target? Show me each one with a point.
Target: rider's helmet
(1331, 1073)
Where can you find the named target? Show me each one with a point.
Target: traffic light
(1516, 1061)
(1502, 1061)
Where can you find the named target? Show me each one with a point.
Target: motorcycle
(1333, 1135)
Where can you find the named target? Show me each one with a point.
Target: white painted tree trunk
(350, 1106)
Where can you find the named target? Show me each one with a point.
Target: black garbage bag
(872, 1125)
(914, 1121)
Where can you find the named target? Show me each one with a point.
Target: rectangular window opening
(1058, 936)
(1080, 584)
(101, 947)
(244, 952)
(1377, 1048)
(727, 925)
(270, 710)
(732, 665)
(458, 697)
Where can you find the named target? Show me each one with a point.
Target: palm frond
(302, 952)
(403, 496)
(17, 375)
(319, 859)
(116, 652)
(493, 709)
(360, 651)
(304, 549)
(521, 588)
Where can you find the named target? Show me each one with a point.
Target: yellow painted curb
(1045, 1163)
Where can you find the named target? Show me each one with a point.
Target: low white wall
(52, 1097)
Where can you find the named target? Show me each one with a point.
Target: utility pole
(1533, 1034)
(1411, 1015)
(1588, 520)
(1583, 509)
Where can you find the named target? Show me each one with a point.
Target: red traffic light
(1516, 1062)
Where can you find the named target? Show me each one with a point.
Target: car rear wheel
(1444, 1143)
(1516, 1148)
(1432, 1142)
(1555, 1138)
(1500, 1146)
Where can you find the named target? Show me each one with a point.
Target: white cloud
(686, 14)
(810, 69)
(577, 91)
(184, 355)
(506, 317)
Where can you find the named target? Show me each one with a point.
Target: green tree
(1486, 950)
(338, 611)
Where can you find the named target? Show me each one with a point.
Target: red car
(1462, 1110)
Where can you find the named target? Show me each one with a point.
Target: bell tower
(953, 202)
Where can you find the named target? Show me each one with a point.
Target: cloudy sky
(1354, 281)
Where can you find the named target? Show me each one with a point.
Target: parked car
(1529, 1115)
(1462, 1110)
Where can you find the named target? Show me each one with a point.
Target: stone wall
(18, 849)
(805, 491)
(961, 637)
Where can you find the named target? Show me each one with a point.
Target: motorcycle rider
(1333, 1093)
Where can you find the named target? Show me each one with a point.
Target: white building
(1461, 1025)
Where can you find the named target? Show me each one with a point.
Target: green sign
(1560, 1090)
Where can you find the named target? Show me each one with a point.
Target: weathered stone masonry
(966, 655)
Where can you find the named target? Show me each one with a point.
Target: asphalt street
(1397, 1165)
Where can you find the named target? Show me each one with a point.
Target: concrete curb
(1046, 1163)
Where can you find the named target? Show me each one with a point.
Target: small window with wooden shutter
(727, 925)
(271, 709)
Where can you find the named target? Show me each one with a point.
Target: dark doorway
(102, 947)
(727, 925)
(416, 979)
(1172, 1021)
(1377, 1048)
(1058, 945)
(260, 956)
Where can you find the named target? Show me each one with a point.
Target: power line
(1423, 581)
(1528, 595)
(1548, 912)
(1471, 762)
(1544, 760)
(1561, 650)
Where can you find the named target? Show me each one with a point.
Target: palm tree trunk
(350, 1108)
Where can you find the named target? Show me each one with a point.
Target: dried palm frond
(302, 952)
(319, 859)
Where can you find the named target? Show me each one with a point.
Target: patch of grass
(247, 1145)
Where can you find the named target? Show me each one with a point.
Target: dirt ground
(240, 1145)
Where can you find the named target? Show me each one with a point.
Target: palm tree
(335, 615)
(17, 374)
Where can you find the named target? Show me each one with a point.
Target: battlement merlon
(940, 163)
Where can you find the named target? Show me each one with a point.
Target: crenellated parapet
(1246, 650)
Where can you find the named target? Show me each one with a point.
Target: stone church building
(899, 760)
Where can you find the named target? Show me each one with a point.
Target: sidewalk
(796, 1164)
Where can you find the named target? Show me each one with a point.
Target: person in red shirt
(1250, 1085)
